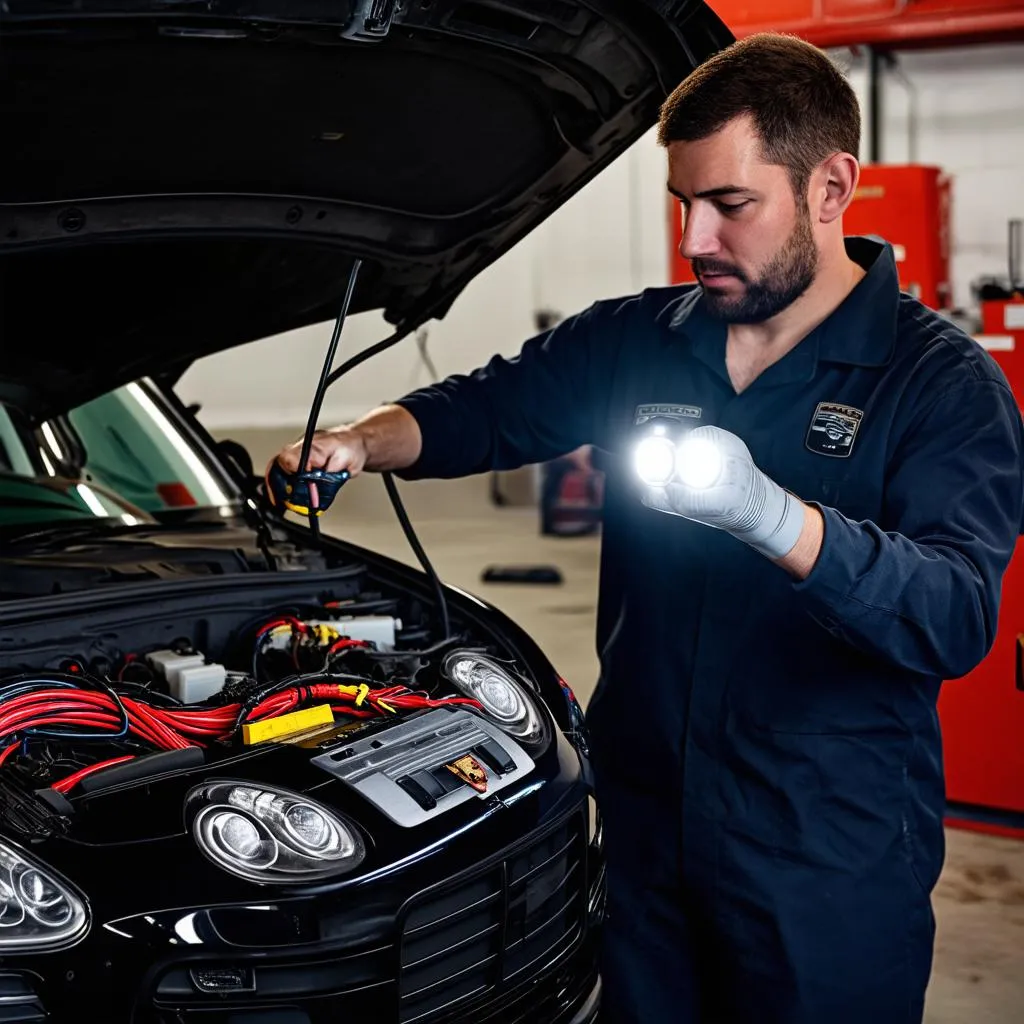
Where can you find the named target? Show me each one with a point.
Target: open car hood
(179, 178)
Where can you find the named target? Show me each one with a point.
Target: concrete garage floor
(978, 976)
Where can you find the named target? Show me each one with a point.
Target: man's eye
(733, 207)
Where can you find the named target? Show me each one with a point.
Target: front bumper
(512, 938)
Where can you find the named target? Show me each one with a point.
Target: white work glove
(736, 497)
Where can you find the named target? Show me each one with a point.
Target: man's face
(749, 241)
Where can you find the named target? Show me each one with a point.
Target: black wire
(151, 695)
(323, 384)
(410, 536)
(389, 483)
(325, 372)
(369, 353)
(399, 654)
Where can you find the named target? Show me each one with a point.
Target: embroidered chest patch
(660, 410)
(833, 429)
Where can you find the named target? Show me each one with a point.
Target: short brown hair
(802, 106)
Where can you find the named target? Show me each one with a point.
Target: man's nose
(699, 235)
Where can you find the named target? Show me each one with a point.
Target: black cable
(389, 483)
(397, 654)
(369, 353)
(421, 555)
(325, 372)
(324, 383)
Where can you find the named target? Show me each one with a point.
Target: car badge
(471, 771)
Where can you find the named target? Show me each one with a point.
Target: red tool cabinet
(909, 206)
(982, 714)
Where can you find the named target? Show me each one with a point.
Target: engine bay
(120, 699)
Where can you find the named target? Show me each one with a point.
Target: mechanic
(765, 737)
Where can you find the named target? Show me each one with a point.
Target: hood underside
(182, 178)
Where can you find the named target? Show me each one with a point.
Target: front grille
(495, 927)
(19, 1003)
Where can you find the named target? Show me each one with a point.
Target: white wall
(611, 240)
(608, 240)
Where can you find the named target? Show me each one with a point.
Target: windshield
(127, 456)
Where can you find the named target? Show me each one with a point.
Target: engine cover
(427, 765)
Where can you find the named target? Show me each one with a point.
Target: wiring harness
(84, 709)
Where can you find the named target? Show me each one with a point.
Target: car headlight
(265, 834)
(504, 700)
(38, 911)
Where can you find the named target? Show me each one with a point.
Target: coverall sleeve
(925, 595)
(549, 399)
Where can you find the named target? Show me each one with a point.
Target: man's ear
(837, 182)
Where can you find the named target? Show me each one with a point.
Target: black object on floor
(521, 574)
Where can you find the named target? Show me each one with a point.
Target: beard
(788, 274)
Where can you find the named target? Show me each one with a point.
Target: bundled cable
(62, 709)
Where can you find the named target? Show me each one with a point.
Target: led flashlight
(698, 462)
(655, 458)
(668, 452)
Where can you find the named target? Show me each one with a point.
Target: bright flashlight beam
(655, 460)
(698, 462)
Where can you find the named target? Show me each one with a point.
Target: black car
(249, 773)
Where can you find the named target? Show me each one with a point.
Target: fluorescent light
(128, 519)
(47, 463)
(214, 494)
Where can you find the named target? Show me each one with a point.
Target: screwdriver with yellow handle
(309, 493)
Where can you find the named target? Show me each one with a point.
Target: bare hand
(332, 450)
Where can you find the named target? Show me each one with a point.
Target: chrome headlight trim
(39, 910)
(270, 835)
(505, 700)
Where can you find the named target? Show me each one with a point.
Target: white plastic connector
(189, 678)
(169, 663)
(378, 629)
(198, 682)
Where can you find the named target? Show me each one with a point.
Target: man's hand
(388, 438)
(332, 450)
(717, 484)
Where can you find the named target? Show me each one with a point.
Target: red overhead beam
(883, 23)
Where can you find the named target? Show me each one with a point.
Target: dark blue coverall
(767, 751)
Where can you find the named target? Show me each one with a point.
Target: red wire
(12, 723)
(344, 642)
(128, 659)
(72, 780)
(169, 739)
(347, 709)
(180, 728)
(284, 620)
